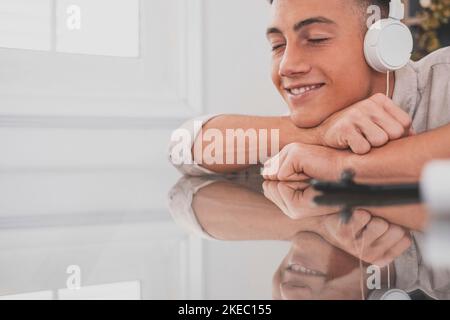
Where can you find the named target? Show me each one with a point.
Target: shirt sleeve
(182, 159)
(180, 205)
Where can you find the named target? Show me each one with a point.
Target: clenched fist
(369, 123)
(299, 162)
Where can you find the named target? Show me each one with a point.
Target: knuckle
(293, 147)
(347, 131)
(408, 242)
(378, 97)
(379, 225)
(361, 217)
(407, 123)
(346, 126)
(355, 113)
(380, 139)
(398, 231)
(396, 132)
(369, 255)
(360, 147)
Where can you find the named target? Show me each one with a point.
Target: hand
(299, 162)
(295, 199)
(369, 123)
(369, 238)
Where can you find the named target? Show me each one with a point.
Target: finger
(374, 230)
(396, 112)
(292, 199)
(309, 194)
(272, 166)
(389, 238)
(353, 229)
(271, 193)
(289, 194)
(310, 207)
(297, 185)
(290, 170)
(291, 177)
(299, 202)
(266, 190)
(347, 232)
(358, 143)
(388, 123)
(376, 136)
(267, 186)
(399, 114)
(382, 245)
(359, 220)
(397, 250)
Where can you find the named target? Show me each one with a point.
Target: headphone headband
(396, 10)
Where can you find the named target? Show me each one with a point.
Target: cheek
(353, 76)
(353, 85)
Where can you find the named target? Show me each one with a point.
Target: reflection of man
(222, 210)
(315, 270)
(337, 254)
(337, 101)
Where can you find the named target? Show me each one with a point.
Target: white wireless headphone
(388, 43)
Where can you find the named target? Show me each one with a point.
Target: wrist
(350, 162)
(317, 135)
(294, 134)
(315, 225)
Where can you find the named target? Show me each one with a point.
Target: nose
(293, 62)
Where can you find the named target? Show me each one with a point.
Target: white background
(65, 113)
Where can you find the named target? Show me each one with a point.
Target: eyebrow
(302, 24)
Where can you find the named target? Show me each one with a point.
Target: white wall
(224, 69)
(237, 58)
(235, 78)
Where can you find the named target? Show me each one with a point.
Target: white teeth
(302, 90)
(301, 269)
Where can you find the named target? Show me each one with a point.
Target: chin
(302, 120)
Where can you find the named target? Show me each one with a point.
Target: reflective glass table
(124, 234)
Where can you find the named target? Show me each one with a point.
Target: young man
(340, 117)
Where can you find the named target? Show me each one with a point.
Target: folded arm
(402, 160)
(399, 161)
(230, 143)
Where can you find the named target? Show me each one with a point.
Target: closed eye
(276, 47)
(318, 40)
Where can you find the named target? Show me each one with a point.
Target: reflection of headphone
(388, 42)
(394, 294)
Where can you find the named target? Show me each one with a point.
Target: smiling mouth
(299, 269)
(301, 91)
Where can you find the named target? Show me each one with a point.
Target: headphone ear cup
(388, 45)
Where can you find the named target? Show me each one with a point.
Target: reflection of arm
(231, 212)
(401, 160)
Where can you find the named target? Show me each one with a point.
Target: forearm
(233, 154)
(232, 212)
(401, 160)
